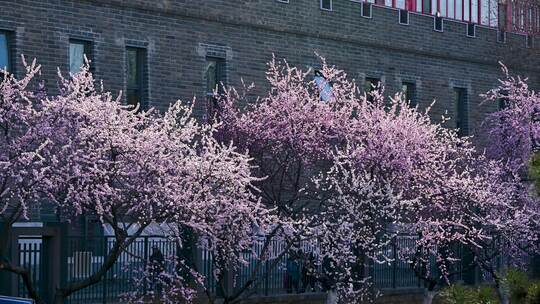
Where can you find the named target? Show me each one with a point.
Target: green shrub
(458, 294)
(486, 295)
(534, 171)
(517, 283)
(533, 294)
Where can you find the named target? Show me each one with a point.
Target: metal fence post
(44, 268)
(394, 263)
(65, 248)
(104, 251)
(145, 254)
(266, 277)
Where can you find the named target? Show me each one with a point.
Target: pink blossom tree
(401, 173)
(290, 133)
(121, 165)
(513, 131)
(159, 169)
(90, 155)
(351, 171)
(342, 171)
(223, 217)
(512, 226)
(25, 147)
(513, 134)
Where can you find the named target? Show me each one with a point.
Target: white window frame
(435, 23)
(87, 50)
(370, 9)
(9, 51)
(399, 17)
(467, 30)
(326, 9)
(499, 36)
(529, 41)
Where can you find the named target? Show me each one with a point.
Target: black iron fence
(395, 273)
(81, 257)
(30, 257)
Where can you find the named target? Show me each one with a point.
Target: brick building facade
(177, 41)
(158, 51)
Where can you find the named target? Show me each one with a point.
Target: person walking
(157, 267)
(293, 273)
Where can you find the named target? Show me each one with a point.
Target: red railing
(521, 16)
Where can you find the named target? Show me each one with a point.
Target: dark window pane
(325, 86)
(403, 16)
(326, 4)
(471, 30)
(503, 100)
(135, 76)
(409, 92)
(426, 6)
(4, 52)
(462, 119)
(502, 104)
(211, 76)
(132, 68)
(76, 56)
(215, 74)
(366, 9)
(438, 23)
(221, 74)
(371, 84)
(133, 97)
(501, 36)
(215, 79)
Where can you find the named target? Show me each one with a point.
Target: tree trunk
(25, 275)
(122, 241)
(65, 291)
(501, 293)
(59, 298)
(429, 295)
(6, 264)
(331, 297)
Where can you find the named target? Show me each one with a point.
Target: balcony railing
(518, 16)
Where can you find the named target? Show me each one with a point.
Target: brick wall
(398, 296)
(178, 34)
